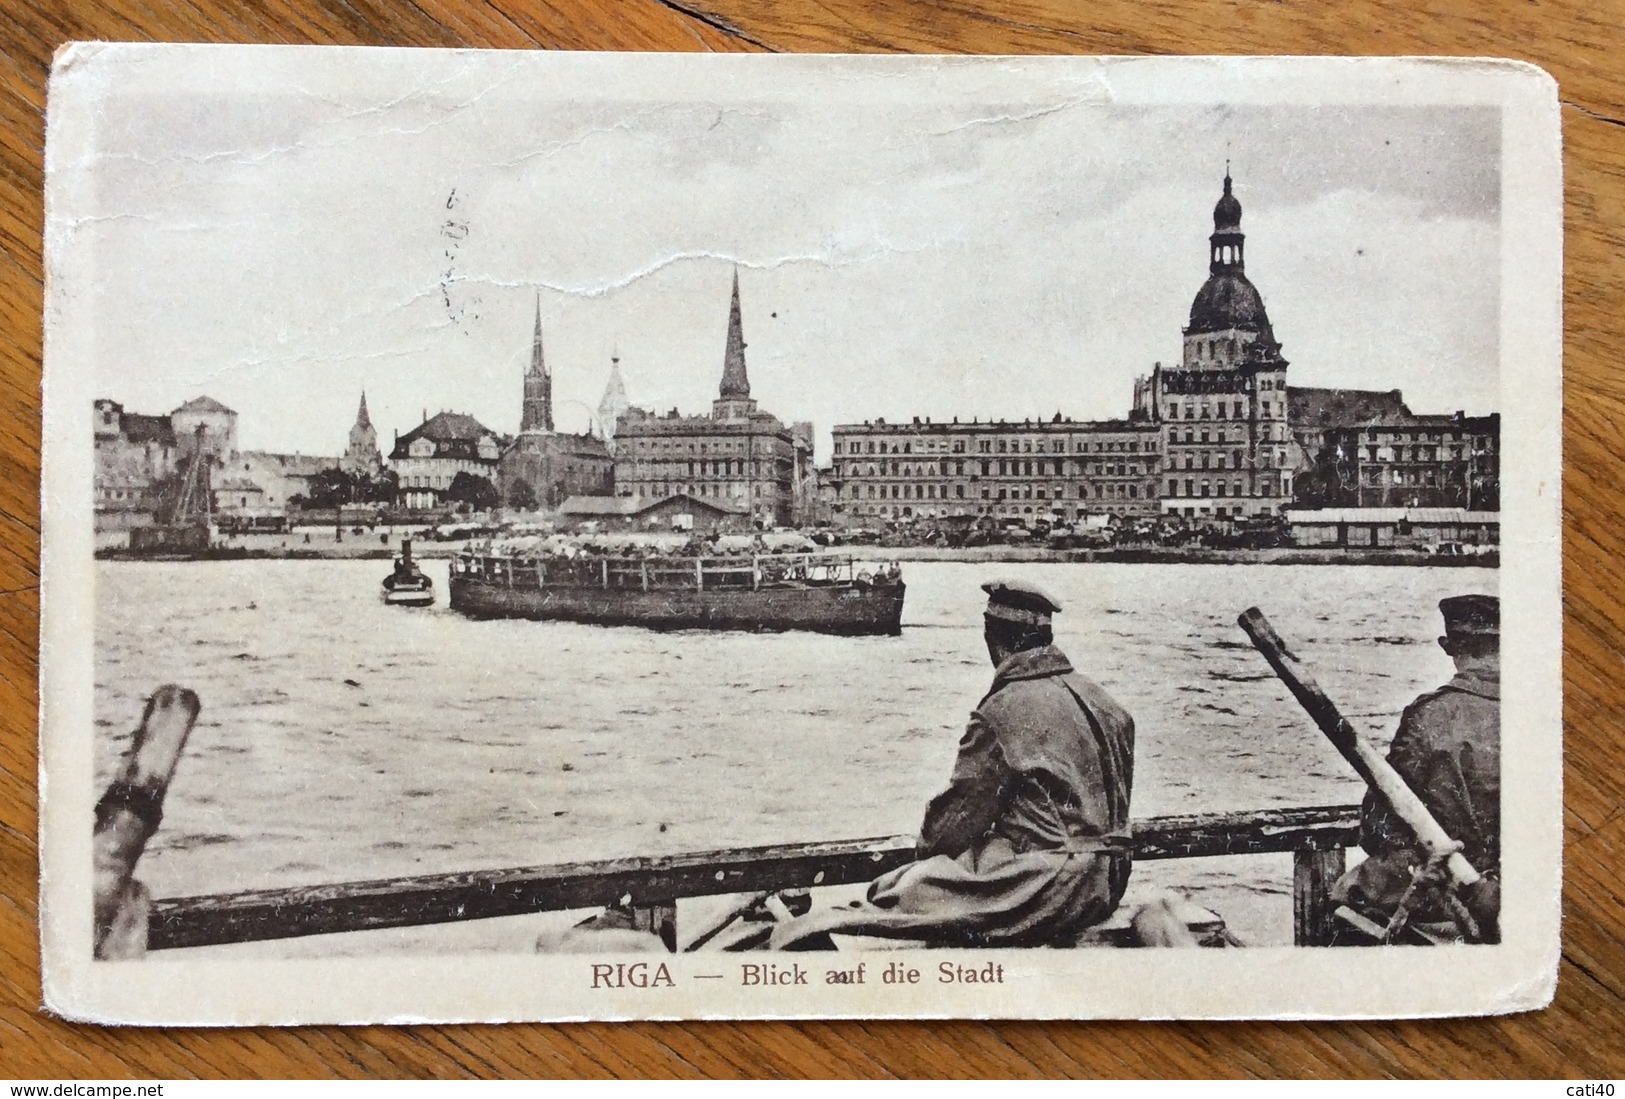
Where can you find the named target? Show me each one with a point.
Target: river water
(342, 739)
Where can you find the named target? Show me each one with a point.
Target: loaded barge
(765, 592)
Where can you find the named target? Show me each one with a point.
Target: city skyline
(952, 260)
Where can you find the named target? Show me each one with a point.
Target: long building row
(1219, 436)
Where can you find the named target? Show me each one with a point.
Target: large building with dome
(1218, 437)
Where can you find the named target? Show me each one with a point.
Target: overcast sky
(908, 243)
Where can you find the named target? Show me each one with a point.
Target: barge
(763, 592)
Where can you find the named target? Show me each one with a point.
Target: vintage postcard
(547, 536)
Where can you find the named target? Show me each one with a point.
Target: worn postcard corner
(564, 536)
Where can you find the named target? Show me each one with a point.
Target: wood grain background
(1581, 42)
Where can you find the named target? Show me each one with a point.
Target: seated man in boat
(1448, 750)
(1028, 845)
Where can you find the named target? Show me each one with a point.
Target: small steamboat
(764, 592)
(408, 586)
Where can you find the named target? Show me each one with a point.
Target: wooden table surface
(1579, 41)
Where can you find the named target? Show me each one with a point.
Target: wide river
(341, 739)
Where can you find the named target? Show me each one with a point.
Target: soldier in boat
(1448, 750)
(1028, 846)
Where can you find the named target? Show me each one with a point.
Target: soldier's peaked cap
(1019, 601)
(1471, 616)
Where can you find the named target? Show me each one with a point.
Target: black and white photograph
(562, 536)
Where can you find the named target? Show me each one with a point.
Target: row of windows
(1376, 477)
(931, 492)
(1219, 488)
(905, 511)
(1210, 349)
(991, 468)
(674, 469)
(1217, 512)
(740, 446)
(1266, 411)
(1205, 460)
(1418, 454)
(1267, 433)
(1192, 436)
(428, 480)
(1001, 446)
(733, 491)
(1384, 435)
(1220, 410)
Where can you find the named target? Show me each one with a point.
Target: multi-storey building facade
(1413, 462)
(1032, 469)
(134, 453)
(430, 456)
(1218, 437)
(739, 455)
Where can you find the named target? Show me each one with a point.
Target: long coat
(1448, 750)
(1028, 844)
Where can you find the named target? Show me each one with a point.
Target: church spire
(538, 363)
(735, 383)
(361, 455)
(538, 407)
(615, 402)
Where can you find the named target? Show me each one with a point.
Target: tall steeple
(735, 383)
(733, 401)
(615, 402)
(361, 454)
(538, 409)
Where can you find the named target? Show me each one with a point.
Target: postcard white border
(1280, 983)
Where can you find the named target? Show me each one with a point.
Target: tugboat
(407, 586)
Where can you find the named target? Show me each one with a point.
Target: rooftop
(621, 506)
(1309, 407)
(204, 404)
(1390, 515)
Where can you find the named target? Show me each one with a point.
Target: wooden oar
(1376, 770)
(128, 815)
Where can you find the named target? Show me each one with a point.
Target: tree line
(333, 488)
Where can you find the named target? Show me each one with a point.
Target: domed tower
(1227, 316)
